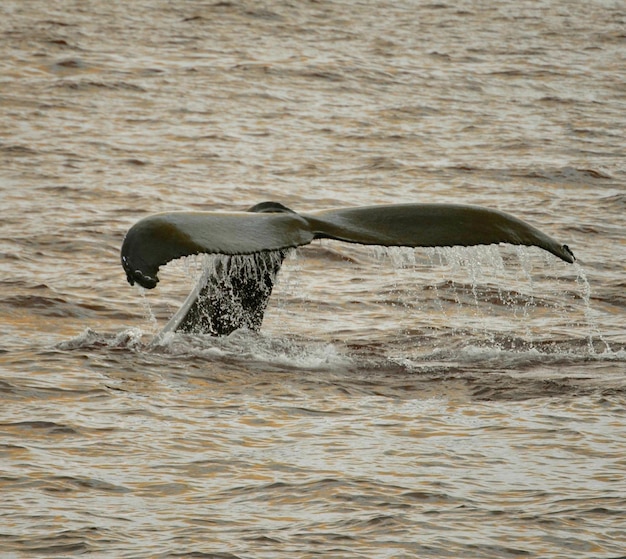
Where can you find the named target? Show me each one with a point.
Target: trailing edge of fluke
(270, 227)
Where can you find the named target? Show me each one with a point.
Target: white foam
(132, 338)
(244, 345)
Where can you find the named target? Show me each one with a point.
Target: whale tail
(235, 292)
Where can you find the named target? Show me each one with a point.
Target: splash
(243, 346)
(496, 293)
(129, 338)
(490, 297)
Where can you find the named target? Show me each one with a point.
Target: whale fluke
(157, 239)
(232, 297)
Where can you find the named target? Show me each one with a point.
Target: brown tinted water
(397, 403)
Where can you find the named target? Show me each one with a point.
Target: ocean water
(397, 402)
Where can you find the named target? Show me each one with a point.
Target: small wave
(44, 305)
(18, 150)
(50, 428)
(90, 84)
(616, 201)
(567, 174)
